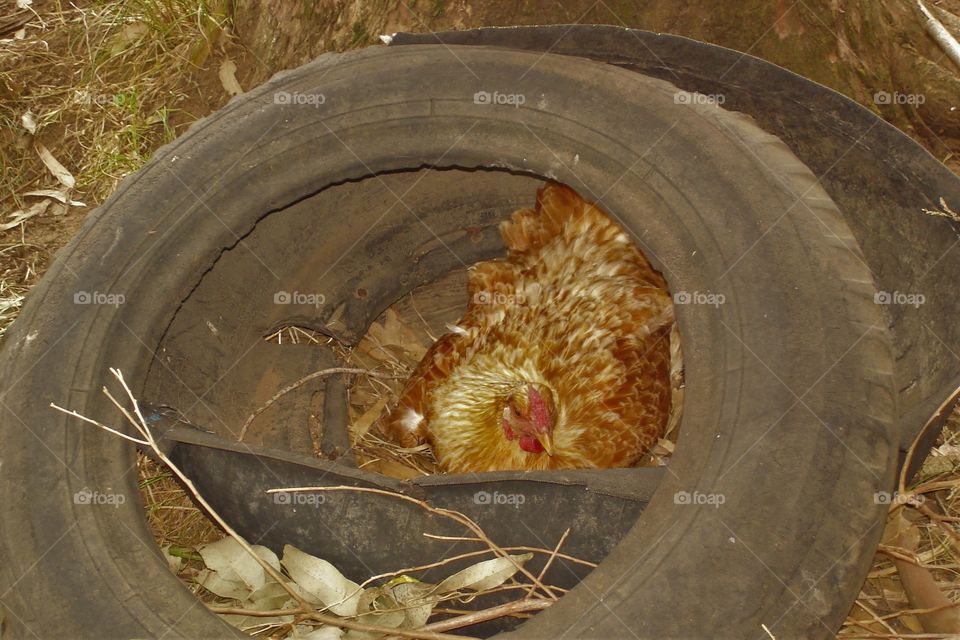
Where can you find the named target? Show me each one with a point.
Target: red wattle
(530, 444)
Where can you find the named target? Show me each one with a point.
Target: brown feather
(574, 307)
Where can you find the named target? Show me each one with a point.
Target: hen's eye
(516, 413)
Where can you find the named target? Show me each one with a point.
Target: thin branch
(102, 426)
(940, 34)
(518, 606)
(876, 618)
(456, 516)
(305, 609)
(946, 404)
(546, 566)
(422, 633)
(299, 383)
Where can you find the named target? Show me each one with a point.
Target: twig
(518, 606)
(306, 609)
(900, 636)
(876, 618)
(914, 612)
(422, 633)
(942, 521)
(434, 536)
(299, 383)
(945, 212)
(562, 556)
(940, 34)
(149, 440)
(902, 485)
(902, 554)
(426, 326)
(549, 561)
(240, 611)
(936, 485)
(456, 516)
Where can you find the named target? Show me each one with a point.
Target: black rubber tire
(789, 404)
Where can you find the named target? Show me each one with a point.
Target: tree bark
(874, 51)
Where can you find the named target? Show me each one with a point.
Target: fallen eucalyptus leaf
(58, 170)
(248, 623)
(321, 580)
(174, 562)
(20, 216)
(484, 575)
(319, 633)
(228, 77)
(29, 122)
(60, 196)
(232, 563)
(362, 424)
(415, 597)
(272, 595)
(215, 583)
(378, 607)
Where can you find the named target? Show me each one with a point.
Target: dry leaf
(484, 575)
(29, 122)
(918, 583)
(24, 4)
(62, 197)
(228, 77)
(394, 332)
(364, 422)
(924, 593)
(321, 581)
(58, 170)
(20, 216)
(393, 469)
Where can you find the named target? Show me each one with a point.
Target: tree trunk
(874, 51)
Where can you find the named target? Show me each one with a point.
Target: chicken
(562, 358)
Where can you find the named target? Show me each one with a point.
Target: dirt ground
(101, 85)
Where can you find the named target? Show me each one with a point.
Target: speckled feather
(574, 306)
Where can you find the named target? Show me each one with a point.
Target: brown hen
(562, 358)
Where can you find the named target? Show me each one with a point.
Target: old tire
(789, 405)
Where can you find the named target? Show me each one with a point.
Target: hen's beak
(546, 441)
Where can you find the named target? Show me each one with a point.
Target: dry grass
(108, 83)
(102, 85)
(171, 514)
(883, 604)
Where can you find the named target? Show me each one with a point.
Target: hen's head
(528, 416)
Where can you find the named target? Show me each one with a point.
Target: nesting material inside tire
(573, 328)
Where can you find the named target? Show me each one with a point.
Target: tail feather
(528, 230)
